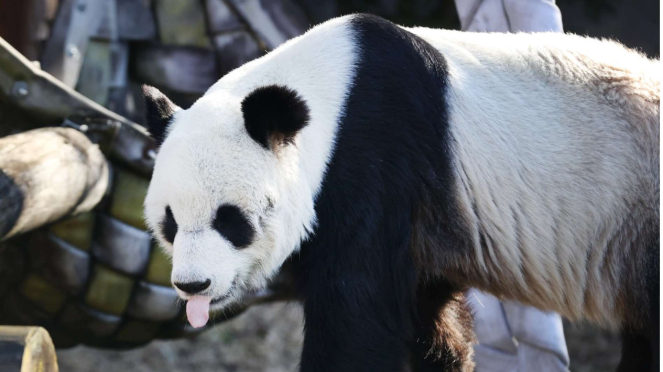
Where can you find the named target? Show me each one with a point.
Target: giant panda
(397, 167)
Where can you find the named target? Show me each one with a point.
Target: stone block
(81, 319)
(159, 268)
(181, 22)
(235, 48)
(129, 191)
(275, 21)
(109, 291)
(59, 262)
(120, 246)
(178, 69)
(76, 231)
(42, 293)
(154, 302)
(220, 17)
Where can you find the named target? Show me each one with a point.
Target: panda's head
(226, 198)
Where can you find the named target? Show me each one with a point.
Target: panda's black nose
(193, 287)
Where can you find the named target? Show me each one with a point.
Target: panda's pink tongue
(197, 310)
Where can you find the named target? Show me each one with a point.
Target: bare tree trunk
(47, 174)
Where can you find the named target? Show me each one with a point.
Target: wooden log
(25, 85)
(26, 349)
(47, 174)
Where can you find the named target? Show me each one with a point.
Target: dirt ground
(265, 338)
(269, 338)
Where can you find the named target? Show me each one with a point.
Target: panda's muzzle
(219, 299)
(227, 294)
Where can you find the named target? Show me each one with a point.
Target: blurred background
(87, 279)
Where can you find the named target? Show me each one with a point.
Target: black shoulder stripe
(392, 156)
(393, 149)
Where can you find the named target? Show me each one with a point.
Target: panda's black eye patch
(169, 226)
(231, 223)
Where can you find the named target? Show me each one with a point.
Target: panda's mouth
(227, 294)
(219, 299)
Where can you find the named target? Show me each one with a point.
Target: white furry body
(557, 158)
(556, 154)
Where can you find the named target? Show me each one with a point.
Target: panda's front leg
(352, 324)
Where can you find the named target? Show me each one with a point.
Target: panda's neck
(324, 80)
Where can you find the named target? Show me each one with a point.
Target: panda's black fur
(357, 275)
(273, 115)
(159, 112)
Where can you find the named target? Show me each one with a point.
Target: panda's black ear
(273, 115)
(159, 111)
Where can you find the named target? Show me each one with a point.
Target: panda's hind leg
(637, 353)
(444, 333)
(641, 346)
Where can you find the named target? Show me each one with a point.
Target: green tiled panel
(137, 332)
(81, 320)
(129, 193)
(16, 310)
(159, 267)
(109, 291)
(42, 293)
(181, 22)
(76, 231)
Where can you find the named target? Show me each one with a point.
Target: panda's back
(555, 142)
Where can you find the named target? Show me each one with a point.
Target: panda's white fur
(559, 133)
(209, 159)
(556, 142)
